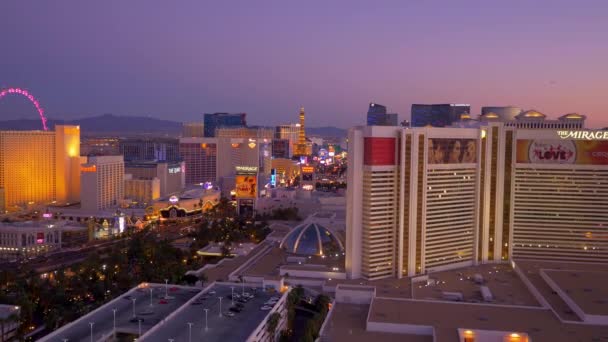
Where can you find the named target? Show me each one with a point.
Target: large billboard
(582, 152)
(246, 186)
(452, 151)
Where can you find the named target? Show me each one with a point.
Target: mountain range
(134, 125)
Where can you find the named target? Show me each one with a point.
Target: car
(163, 301)
(247, 295)
(136, 319)
(266, 308)
(212, 292)
(196, 303)
(235, 309)
(275, 298)
(229, 314)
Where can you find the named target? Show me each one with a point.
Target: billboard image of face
(452, 151)
(246, 186)
(581, 152)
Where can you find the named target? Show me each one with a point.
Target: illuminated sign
(175, 169)
(308, 169)
(92, 168)
(39, 238)
(121, 224)
(246, 169)
(583, 135)
(47, 215)
(580, 152)
(452, 151)
(173, 199)
(246, 186)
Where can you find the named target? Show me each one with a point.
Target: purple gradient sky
(180, 59)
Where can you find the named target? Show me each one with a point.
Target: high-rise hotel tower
(426, 199)
(38, 167)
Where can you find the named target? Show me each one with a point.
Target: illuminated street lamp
(91, 324)
(220, 314)
(190, 331)
(133, 300)
(206, 312)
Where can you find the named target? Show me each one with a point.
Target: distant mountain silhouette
(106, 123)
(109, 123)
(329, 131)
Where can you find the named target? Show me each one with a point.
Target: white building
(426, 199)
(102, 182)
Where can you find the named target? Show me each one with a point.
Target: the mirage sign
(583, 135)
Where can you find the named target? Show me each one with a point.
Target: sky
(179, 59)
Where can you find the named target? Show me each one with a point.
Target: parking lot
(149, 309)
(219, 325)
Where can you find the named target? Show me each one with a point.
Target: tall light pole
(114, 325)
(190, 332)
(133, 300)
(232, 296)
(166, 288)
(91, 324)
(139, 328)
(206, 312)
(220, 306)
(243, 283)
(150, 296)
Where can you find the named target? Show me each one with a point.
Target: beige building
(39, 167)
(171, 175)
(427, 199)
(143, 191)
(102, 180)
(193, 130)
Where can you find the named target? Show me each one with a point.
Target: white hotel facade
(421, 200)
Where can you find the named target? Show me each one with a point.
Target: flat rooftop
(219, 326)
(348, 321)
(588, 289)
(531, 269)
(446, 318)
(151, 309)
(506, 286)
(222, 270)
(268, 265)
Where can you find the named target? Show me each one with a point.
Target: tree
(203, 278)
(190, 279)
(272, 324)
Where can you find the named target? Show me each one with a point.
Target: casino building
(427, 199)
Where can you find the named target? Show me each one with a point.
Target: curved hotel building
(428, 199)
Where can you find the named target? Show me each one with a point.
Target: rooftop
(348, 323)
(147, 302)
(219, 327)
(506, 287)
(446, 318)
(588, 289)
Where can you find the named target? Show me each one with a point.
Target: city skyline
(179, 62)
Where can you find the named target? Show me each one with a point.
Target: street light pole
(114, 325)
(139, 330)
(150, 296)
(91, 324)
(220, 314)
(232, 297)
(206, 311)
(243, 283)
(133, 300)
(166, 288)
(190, 332)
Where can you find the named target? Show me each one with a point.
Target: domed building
(311, 238)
